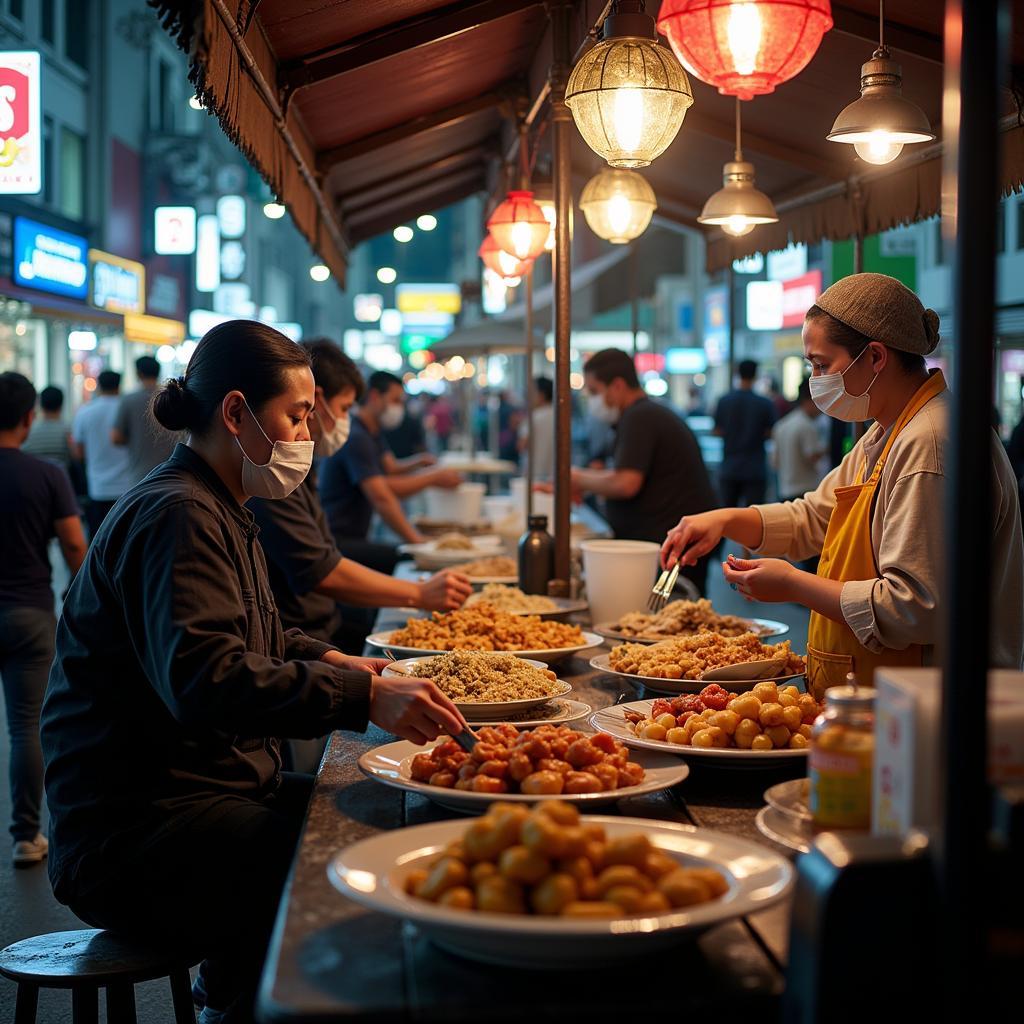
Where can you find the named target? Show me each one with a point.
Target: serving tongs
(661, 592)
(467, 739)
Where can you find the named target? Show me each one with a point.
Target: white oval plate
(564, 607)
(475, 711)
(549, 656)
(671, 686)
(784, 829)
(613, 721)
(479, 582)
(391, 762)
(429, 557)
(556, 712)
(372, 872)
(766, 628)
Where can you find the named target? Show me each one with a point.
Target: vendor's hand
(444, 591)
(414, 709)
(692, 538)
(427, 459)
(576, 492)
(761, 579)
(339, 660)
(446, 478)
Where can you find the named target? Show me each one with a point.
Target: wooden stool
(86, 961)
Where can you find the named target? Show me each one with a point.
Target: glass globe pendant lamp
(747, 48)
(738, 207)
(882, 121)
(628, 95)
(618, 204)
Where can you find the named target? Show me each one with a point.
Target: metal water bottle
(536, 556)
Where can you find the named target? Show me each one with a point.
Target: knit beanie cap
(884, 310)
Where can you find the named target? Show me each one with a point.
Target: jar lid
(851, 696)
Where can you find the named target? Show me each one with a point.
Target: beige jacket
(901, 606)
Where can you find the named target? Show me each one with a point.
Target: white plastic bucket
(619, 575)
(462, 504)
(543, 504)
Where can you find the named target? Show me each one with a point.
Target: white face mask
(601, 411)
(830, 395)
(333, 438)
(392, 416)
(286, 468)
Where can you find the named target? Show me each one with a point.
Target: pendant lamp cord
(524, 154)
(739, 148)
(881, 24)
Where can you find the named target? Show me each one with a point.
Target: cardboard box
(907, 755)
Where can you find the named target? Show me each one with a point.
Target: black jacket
(173, 675)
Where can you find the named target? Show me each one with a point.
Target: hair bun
(173, 406)
(931, 329)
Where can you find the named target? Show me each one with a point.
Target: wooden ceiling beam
(385, 222)
(397, 38)
(478, 151)
(703, 124)
(852, 22)
(380, 205)
(447, 117)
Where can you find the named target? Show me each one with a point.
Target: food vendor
(876, 519)
(170, 817)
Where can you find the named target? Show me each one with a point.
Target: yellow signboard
(153, 330)
(428, 298)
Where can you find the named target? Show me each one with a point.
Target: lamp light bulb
(737, 225)
(319, 272)
(628, 116)
(879, 148)
(403, 233)
(744, 35)
(508, 264)
(522, 239)
(620, 212)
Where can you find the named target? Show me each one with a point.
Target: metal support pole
(974, 68)
(731, 279)
(560, 13)
(634, 299)
(530, 442)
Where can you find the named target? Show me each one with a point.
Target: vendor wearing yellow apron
(876, 519)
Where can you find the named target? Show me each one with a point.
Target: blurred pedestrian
(48, 439)
(542, 425)
(799, 448)
(106, 465)
(744, 421)
(36, 503)
(409, 438)
(135, 427)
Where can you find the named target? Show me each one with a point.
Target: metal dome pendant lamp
(738, 207)
(882, 121)
(628, 95)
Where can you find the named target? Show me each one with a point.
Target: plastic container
(619, 576)
(842, 758)
(543, 504)
(536, 557)
(461, 504)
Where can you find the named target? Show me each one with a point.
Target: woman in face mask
(173, 680)
(876, 519)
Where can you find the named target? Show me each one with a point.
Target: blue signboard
(50, 260)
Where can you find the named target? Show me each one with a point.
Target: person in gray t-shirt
(148, 443)
(48, 438)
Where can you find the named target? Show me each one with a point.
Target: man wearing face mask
(876, 519)
(657, 471)
(309, 576)
(364, 477)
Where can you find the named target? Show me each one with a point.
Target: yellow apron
(848, 554)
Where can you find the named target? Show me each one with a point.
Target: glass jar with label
(841, 757)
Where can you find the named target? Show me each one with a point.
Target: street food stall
(362, 115)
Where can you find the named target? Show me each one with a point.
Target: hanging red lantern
(502, 263)
(745, 49)
(519, 226)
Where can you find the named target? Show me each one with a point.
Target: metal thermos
(536, 556)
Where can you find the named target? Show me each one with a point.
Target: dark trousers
(95, 513)
(26, 653)
(740, 493)
(213, 887)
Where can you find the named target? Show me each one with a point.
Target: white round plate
(556, 712)
(784, 829)
(766, 628)
(672, 686)
(612, 720)
(372, 872)
(482, 581)
(475, 711)
(431, 558)
(564, 608)
(391, 762)
(549, 656)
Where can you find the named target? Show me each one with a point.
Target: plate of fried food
(486, 686)
(485, 628)
(449, 549)
(684, 664)
(548, 888)
(685, 618)
(516, 602)
(766, 724)
(524, 766)
(489, 569)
